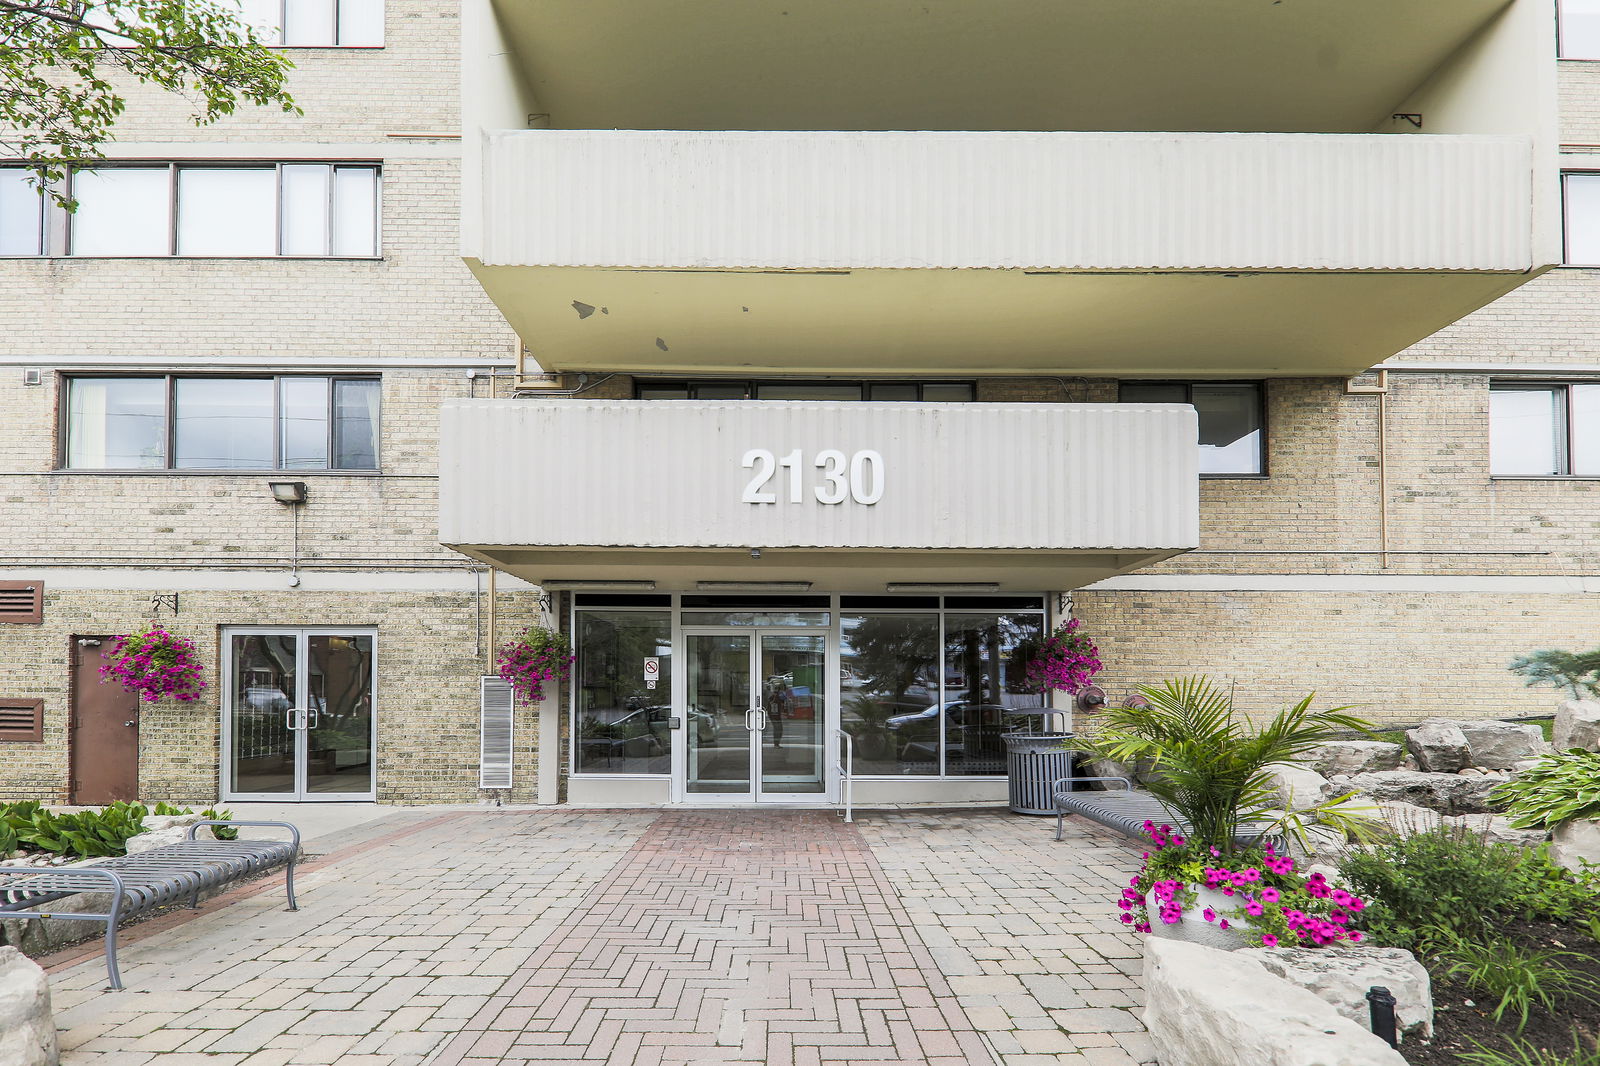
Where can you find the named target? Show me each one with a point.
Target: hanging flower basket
(1065, 662)
(541, 654)
(155, 664)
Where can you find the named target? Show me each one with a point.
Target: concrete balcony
(1098, 253)
(848, 497)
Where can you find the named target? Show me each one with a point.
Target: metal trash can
(1033, 761)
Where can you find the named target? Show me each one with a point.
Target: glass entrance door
(756, 716)
(297, 718)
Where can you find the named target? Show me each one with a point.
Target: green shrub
(1424, 889)
(1523, 1053)
(1559, 789)
(1520, 976)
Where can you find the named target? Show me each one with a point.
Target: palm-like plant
(1211, 768)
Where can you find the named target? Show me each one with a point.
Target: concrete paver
(637, 936)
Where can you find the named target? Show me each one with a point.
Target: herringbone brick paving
(550, 936)
(732, 937)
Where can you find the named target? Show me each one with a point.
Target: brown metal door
(104, 741)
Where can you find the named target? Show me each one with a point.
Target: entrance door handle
(294, 714)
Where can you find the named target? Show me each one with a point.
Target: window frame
(752, 387)
(57, 226)
(1564, 430)
(1566, 201)
(170, 426)
(1261, 417)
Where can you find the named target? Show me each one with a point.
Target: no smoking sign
(652, 671)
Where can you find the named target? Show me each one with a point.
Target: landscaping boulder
(1353, 757)
(1439, 746)
(1575, 843)
(1577, 725)
(1471, 795)
(1206, 1007)
(1436, 792)
(1501, 745)
(1298, 787)
(1342, 975)
(27, 1029)
(1495, 829)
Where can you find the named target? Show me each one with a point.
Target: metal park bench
(1127, 809)
(135, 884)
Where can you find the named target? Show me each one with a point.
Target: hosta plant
(1269, 902)
(1066, 661)
(155, 664)
(1560, 788)
(529, 662)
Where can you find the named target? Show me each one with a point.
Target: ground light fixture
(290, 493)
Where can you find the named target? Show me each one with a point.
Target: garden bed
(1464, 1019)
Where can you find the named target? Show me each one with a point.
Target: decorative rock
(1577, 725)
(1353, 757)
(1205, 1007)
(1498, 745)
(1575, 843)
(1495, 829)
(1472, 795)
(27, 1029)
(1298, 787)
(1342, 975)
(160, 838)
(1436, 792)
(1438, 745)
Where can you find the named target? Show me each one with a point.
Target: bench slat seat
(1127, 809)
(158, 877)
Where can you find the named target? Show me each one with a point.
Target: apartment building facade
(806, 366)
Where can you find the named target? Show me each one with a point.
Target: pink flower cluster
(526, 669)
(155, 664)
(1066, 662)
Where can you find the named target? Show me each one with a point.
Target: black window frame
(1189, 386)
(1564, 436)
(169, 429)
(752, 387)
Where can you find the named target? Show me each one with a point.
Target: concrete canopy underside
(878, 321)
(828, 571)
(954, 65)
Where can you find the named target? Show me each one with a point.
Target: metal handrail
(845, 766)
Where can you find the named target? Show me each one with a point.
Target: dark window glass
(623, 724)
(674, 392)
(997, 603)
(891, 392)
(986, 656)
(1232, 437)
(733, 603)
(903, 602)
(355, 424)
(720, 392)
(620, 599)
(946, 393)
(889, 691)
(794, 390)
(1154, 394)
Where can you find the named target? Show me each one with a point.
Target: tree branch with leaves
(60, 61)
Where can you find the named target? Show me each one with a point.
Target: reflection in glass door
(298, 715)
(757, 705)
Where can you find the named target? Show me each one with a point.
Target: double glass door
(755, 723)
(297, 716)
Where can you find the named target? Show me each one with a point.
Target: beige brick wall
(427, 688)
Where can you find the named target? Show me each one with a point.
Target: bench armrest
(294, 833)
(63, 873)
(1055, 786)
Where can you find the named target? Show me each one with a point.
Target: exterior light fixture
(587, 585)
(942, 586)
(752, 586)
(289, 493)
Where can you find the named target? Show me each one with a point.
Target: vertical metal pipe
(493, 641)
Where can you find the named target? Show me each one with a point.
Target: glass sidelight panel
(792, 712)
(624, 717)
(339, 702)
(719, 714)
(261, 756)
(986, 658)
(889, 691)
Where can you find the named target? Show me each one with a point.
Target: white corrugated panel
(953, 476)
(1042, 201)
(496, 731)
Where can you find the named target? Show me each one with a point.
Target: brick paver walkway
(643, 936)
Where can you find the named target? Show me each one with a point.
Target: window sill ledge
(1544, 477)
(234, 472)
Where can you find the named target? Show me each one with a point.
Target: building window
(234, 423)
(256, 210)
(283, 23)
(1544, 430)
(875, 391)
(1232, 422)
(1578, 29)
(623, 723)
(1581, 212)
